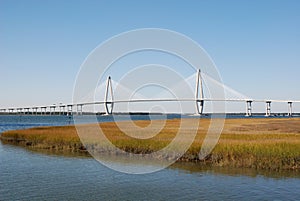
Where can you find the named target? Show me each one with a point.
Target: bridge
(108, 103)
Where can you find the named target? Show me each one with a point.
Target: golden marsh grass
(255, 143)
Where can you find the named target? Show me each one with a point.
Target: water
(27, 175)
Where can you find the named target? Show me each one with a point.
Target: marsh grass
(254, 143)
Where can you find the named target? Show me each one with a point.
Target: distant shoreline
(260, 143)
(228, 115)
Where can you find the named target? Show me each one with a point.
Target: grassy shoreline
(272, 144)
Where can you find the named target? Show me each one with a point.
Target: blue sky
(254, 44)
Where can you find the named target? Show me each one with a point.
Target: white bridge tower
(199, 96)
(109, 100)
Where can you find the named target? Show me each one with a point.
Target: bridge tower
(109, 100)
(199, 96)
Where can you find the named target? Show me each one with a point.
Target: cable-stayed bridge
(108, 103)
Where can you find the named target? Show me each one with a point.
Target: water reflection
(189, 167)
(184, 167)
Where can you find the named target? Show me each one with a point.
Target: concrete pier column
(109, 104)
(62, 109)
(79, 109)
(70, 109)
(199, 96)
(52, 109)
(290, 109)
(268, 108)
(43, 110)
(26, 110)
(248, 108)
(35, 110)
(19, 110)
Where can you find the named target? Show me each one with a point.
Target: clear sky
(255, 44)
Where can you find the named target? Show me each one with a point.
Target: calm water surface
(27, 175)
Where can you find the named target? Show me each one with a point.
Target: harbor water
(31, 175)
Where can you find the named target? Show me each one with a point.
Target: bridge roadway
(109, 102)
(51, 109)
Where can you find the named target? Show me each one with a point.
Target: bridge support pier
(35, 110)
(62, 109)
(70, 110)
(199, 96)
(109, 104)
(19, 110)
(248, 108)
(268, 108)
(43, 110)
(79, 109)
(52, 110)
(26, 110)
(3, 110)
(290, 109)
